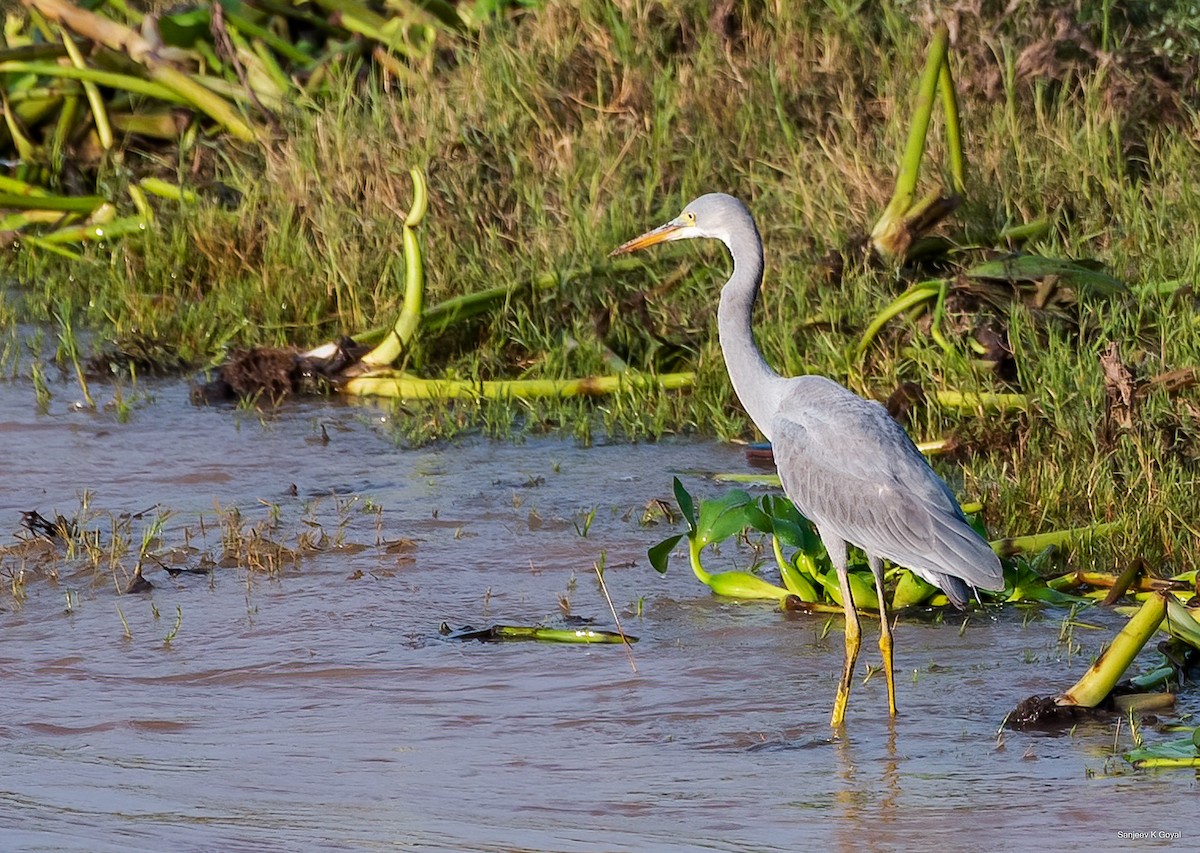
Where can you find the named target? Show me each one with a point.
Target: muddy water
(316, 707)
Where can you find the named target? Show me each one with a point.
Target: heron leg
(837, 556)
(885, 634)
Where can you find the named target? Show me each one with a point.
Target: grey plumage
(855, 473)
(844, 463)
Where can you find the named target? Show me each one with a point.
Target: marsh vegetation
(550, 134)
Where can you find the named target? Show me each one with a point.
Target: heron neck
(757, 385)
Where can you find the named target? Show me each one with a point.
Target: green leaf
(722, 517)
(1033, 268)
(798, 536)
(790, 526)
(911, 590)
(183, 29)
(1153, 679)
(660, 554)
(799, 583)
(1181, 623)
(862, 590)
(758, 519)
(685, 505)
(1179, 750)
(1024, 583)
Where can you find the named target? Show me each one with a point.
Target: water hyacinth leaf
(722, 517)
(1022, 582)
(798, 583)
(1181, 623)
(911, 591)
(782, 508)
(686, 505)
(660, 554)
(745, 585)
(1182, 752)
(1027, 268)
(861, 589)
(1153, 679)
(790, 526)
(758, 519)
(794, 535)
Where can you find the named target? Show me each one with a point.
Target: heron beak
(661, 234)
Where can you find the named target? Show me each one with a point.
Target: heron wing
(854, 472)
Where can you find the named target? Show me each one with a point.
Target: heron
(843, 461)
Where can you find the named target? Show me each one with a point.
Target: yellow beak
(659, 235)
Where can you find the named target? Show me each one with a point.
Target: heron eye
(691, 218)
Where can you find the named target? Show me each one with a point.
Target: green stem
(1024, 232)
(1040, 541)
(357, 18)
(890, 226)
(966, 401)
(405, 329)
(954, 146)
(280, 45)
(111, 79)
(402, 386)
(92, 92)
(120, 38)
(1098, 681)
(588, 636)
(85, 233)
(793, 578)
(695, 546)
(19, 187)
(163, 189)
(75, 204)
(914, 151)
(939, 313)
(915, 295)
(1103, 580)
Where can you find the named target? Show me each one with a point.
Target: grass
(563, 131)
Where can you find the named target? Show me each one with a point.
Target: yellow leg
(885, 635)
(853, 640)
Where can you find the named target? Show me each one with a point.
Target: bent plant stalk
(405, 328)
(371, 376)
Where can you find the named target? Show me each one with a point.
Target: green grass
(564, 131)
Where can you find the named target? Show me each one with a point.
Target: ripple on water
(317, 708)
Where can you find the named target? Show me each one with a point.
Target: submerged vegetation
(550, 134)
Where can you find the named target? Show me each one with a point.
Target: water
(317, 707)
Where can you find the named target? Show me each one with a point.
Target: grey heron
(844, 462)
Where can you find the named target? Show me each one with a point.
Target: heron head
(707, 216)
